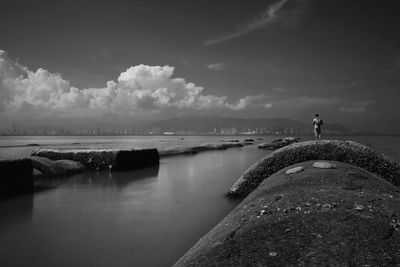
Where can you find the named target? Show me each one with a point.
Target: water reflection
(102, 178)
(15, 211)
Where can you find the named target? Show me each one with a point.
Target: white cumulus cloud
(138, 91)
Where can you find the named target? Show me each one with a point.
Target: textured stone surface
(294, 170)
(318, 217)
(343, 151)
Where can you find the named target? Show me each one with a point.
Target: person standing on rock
(317, 122)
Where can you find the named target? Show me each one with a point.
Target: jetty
(104, 159)
(326, 203)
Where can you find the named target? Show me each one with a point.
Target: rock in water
(294, 170)
(70, 167)
(47, 167)
(308, 221)
(56, 169)
(278, 143)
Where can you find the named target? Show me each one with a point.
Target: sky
(122, 61)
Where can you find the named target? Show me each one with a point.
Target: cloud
(325, 102)
(267, 16)
(253, 101)
(216, 66)
(307, 101)
(139, 91)
(279, 89)
(357, 107)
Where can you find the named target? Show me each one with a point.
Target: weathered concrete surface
(104, 158)
(318, 217)
(343, 151)
(55, 169)
(15, 177)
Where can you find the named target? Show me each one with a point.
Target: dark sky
(278, 58)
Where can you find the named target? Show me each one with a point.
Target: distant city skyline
(133, 61)
(188, 125)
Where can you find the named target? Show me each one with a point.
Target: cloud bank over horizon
(139, 91)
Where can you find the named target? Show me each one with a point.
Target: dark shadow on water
(15, 211)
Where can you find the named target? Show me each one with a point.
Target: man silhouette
(317, 122)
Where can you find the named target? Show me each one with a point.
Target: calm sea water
(139, 218)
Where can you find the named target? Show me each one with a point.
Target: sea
(149, 217)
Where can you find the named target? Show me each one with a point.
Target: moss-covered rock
(342, 151)
(318, 217)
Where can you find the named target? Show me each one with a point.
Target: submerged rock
(201, 148)
(173, 151)
(216, 146)
(278, 143)
(308, 221)
(343, 151)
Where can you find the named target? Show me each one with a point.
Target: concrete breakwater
(201, 148)
(104, 159)
(16, 177)
(337, 216)
(302, 209)
(118, 160)
(344, 151)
